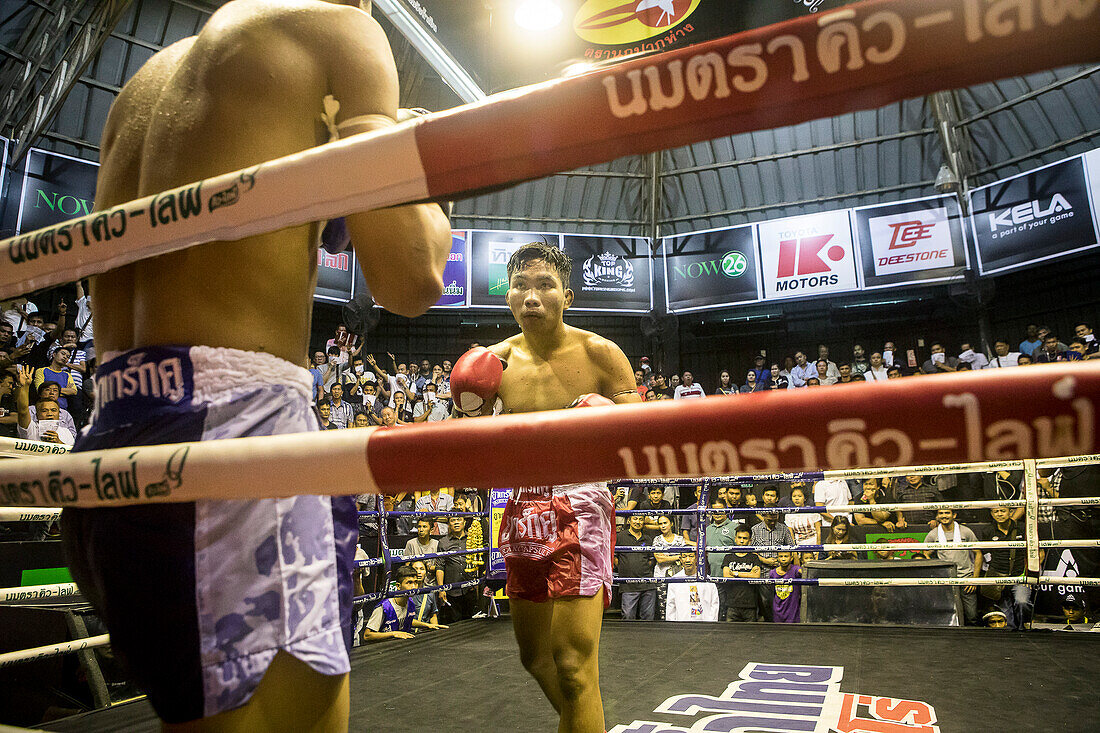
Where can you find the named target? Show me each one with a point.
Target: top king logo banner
(55, 188)
(807, 255)
(711, 269)
(1032, 217)
(811, 700)
(610, 273)
(910, 241)
(489, 252)
(455, 285)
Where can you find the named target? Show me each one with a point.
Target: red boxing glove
(592, 400)
(475, 380)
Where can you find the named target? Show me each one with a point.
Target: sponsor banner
(498, 498)
(53, 189)
(610, 273)
(455, 282)
(1035, 216)
(807, 255)
(1092, 174)
(335, 275)
(489, 253)
(710, 269)
(812, 701)
(910, 241)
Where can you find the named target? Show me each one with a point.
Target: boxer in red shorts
(556, 540)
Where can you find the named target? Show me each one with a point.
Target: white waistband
(219, 370)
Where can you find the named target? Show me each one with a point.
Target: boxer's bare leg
(292, 697)
(559, 644)
(532, 623)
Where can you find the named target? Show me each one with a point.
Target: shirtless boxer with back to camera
(234, 615)
(559, 564)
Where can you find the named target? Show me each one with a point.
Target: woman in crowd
(805, 527)
(751, 385)
(778, 380)
(839, 534)
(725, 384)
(668, 564)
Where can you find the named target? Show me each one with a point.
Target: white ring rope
(22, 448)
(30, 593)
(52, 650)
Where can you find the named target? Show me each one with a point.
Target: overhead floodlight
(538, 15)
(452, 72)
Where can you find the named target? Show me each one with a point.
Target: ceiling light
(538, 15)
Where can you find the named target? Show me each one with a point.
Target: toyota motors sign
(807, 255)
(910, 241)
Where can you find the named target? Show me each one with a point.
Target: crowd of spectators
(46, 393)
(753, 515)
(796, 371)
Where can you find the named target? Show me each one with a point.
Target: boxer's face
(537, 297)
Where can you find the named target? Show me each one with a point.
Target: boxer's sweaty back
(246, 90)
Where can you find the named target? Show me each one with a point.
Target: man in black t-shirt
(655, 502)
(1016, 600)
(639, 600)
(741, 597)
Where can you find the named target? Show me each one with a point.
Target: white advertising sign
(807, 255)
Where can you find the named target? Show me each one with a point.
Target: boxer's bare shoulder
(583, 362)
(249, 89)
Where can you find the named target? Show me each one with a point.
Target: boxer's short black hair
(552, 256)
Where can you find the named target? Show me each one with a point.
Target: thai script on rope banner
(810, 700)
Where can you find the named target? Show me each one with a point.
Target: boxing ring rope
(52, 650)
(1044, 411)
(764, 78)
(21, 448)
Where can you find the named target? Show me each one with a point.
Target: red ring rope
(1033, 412)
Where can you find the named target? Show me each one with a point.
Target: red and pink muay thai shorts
(557, 541)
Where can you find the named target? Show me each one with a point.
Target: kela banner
(610, 273)
(1032, 217)
(710, 269)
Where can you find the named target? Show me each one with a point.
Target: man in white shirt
(47, 424)
(430, 408)
(968, 563)
(877, 370)
(1003, 356)
(976, 359)
(688, 389)
(83, 324)
(342, 413)
(802, 370)
(829, 493)
(832, 370)
(436, 501)
(691, 601)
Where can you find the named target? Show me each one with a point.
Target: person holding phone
(46, 425)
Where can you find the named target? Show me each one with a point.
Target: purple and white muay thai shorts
(199, 597)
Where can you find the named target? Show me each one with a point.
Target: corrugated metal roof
(891, 153)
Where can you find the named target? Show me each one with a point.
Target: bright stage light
(538, 15)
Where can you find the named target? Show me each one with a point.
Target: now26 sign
(54, 188)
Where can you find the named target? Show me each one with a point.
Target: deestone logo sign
(732, 264)
(619, 22)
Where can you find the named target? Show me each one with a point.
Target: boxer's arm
(402, 250)
(617, 375)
